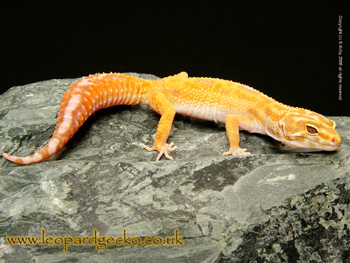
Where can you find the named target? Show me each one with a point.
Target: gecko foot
(236, 151)
(164, 149)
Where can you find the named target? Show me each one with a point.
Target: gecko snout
(336, 141)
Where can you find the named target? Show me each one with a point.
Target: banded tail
(81, 100)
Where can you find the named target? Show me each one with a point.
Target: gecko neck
(274, 120)
(274, 112)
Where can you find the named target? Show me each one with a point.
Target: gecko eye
(311, 130)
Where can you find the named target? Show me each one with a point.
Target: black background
(288, 50)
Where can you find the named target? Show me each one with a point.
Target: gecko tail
(52, 147)
(72, 114)
(80, 101)
(23, 160)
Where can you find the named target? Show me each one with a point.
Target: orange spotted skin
(232, 103)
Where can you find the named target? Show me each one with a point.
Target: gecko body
(232, 103)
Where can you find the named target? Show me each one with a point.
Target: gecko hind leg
(160, 103)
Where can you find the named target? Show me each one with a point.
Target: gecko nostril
(336, 141)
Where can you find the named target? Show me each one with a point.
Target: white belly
(204, 113)
(211, 114)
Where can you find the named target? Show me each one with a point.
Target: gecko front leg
(233, 122)
(159, 102)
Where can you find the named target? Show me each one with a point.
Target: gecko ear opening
(311, 130)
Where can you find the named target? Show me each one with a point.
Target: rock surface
(276, 205)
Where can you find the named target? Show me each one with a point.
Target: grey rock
(276, 205)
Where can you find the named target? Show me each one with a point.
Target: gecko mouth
(331, 146)
(316, 146)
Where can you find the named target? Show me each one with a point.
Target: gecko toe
(150, 149)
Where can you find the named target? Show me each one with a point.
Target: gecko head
(304, 129)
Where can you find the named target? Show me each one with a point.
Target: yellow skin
(232, 103)
(238, 106)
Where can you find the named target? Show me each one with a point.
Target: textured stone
(276, 205)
